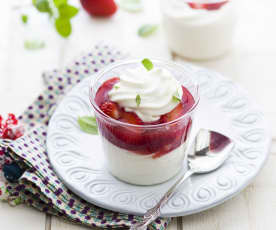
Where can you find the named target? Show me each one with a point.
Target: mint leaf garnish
(138, 99)
(131, 5)
(147, 64)
(147, 30)
(88, 124)
(176, 97)
(116, 87)
(34, 45)
(24, 18)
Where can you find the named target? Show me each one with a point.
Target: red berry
(10, 128)
(194, 5)
(99, 7)
(11, 120)
(174, 114)
(111, 109)
(207, 6)
(131, 118)
(214, 6)
(102, 93)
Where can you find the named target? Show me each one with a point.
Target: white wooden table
(252, 63)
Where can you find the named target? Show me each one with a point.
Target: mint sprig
(147, 64)
(138, 99)
(61, 11)
(88, 124)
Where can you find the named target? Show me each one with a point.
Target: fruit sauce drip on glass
(139, 140)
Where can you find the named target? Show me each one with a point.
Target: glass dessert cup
(144, 154)
(199, 29)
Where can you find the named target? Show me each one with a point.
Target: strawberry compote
(141, 149)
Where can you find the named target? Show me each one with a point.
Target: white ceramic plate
(78, 159)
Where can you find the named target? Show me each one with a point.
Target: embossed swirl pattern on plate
(226, 182)
(123, 197)
(98, 186)
(179, 201)
(68, 158)
(204, 194)
(76, 105)
(65, 123)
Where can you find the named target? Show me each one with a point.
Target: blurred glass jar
(199, 29)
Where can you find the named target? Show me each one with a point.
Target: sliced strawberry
(214, 6)
(111, 109)
(102, 93)
(99, 7)
(207, 6)
(174, 114)
(194, 5)
(131, 118)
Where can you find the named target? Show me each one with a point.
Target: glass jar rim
(92, 93)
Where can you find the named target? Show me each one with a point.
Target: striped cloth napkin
(26, 175)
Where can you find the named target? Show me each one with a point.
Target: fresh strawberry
(111, 109)
(99, 7)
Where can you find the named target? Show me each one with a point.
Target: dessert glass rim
(92, 93)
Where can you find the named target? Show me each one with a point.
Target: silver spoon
(207, 152)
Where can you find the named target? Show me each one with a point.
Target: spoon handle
(154, 212)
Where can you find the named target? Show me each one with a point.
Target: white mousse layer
(198, 33)
(143, 169)
(156, 89)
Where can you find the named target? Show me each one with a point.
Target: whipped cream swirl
(156, 89)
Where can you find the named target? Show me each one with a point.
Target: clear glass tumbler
(144, 154)
(199, 29)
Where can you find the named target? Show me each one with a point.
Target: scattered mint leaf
(131, 5)
(34, 45)
(24, 18)
(63, 27)
(138, 99)
(42, 6)
(88, 124)
(116, 87)
(147, 64)
(146, 30)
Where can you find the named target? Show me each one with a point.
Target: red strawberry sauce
(158, 140)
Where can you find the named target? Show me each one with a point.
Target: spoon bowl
(207, 151)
